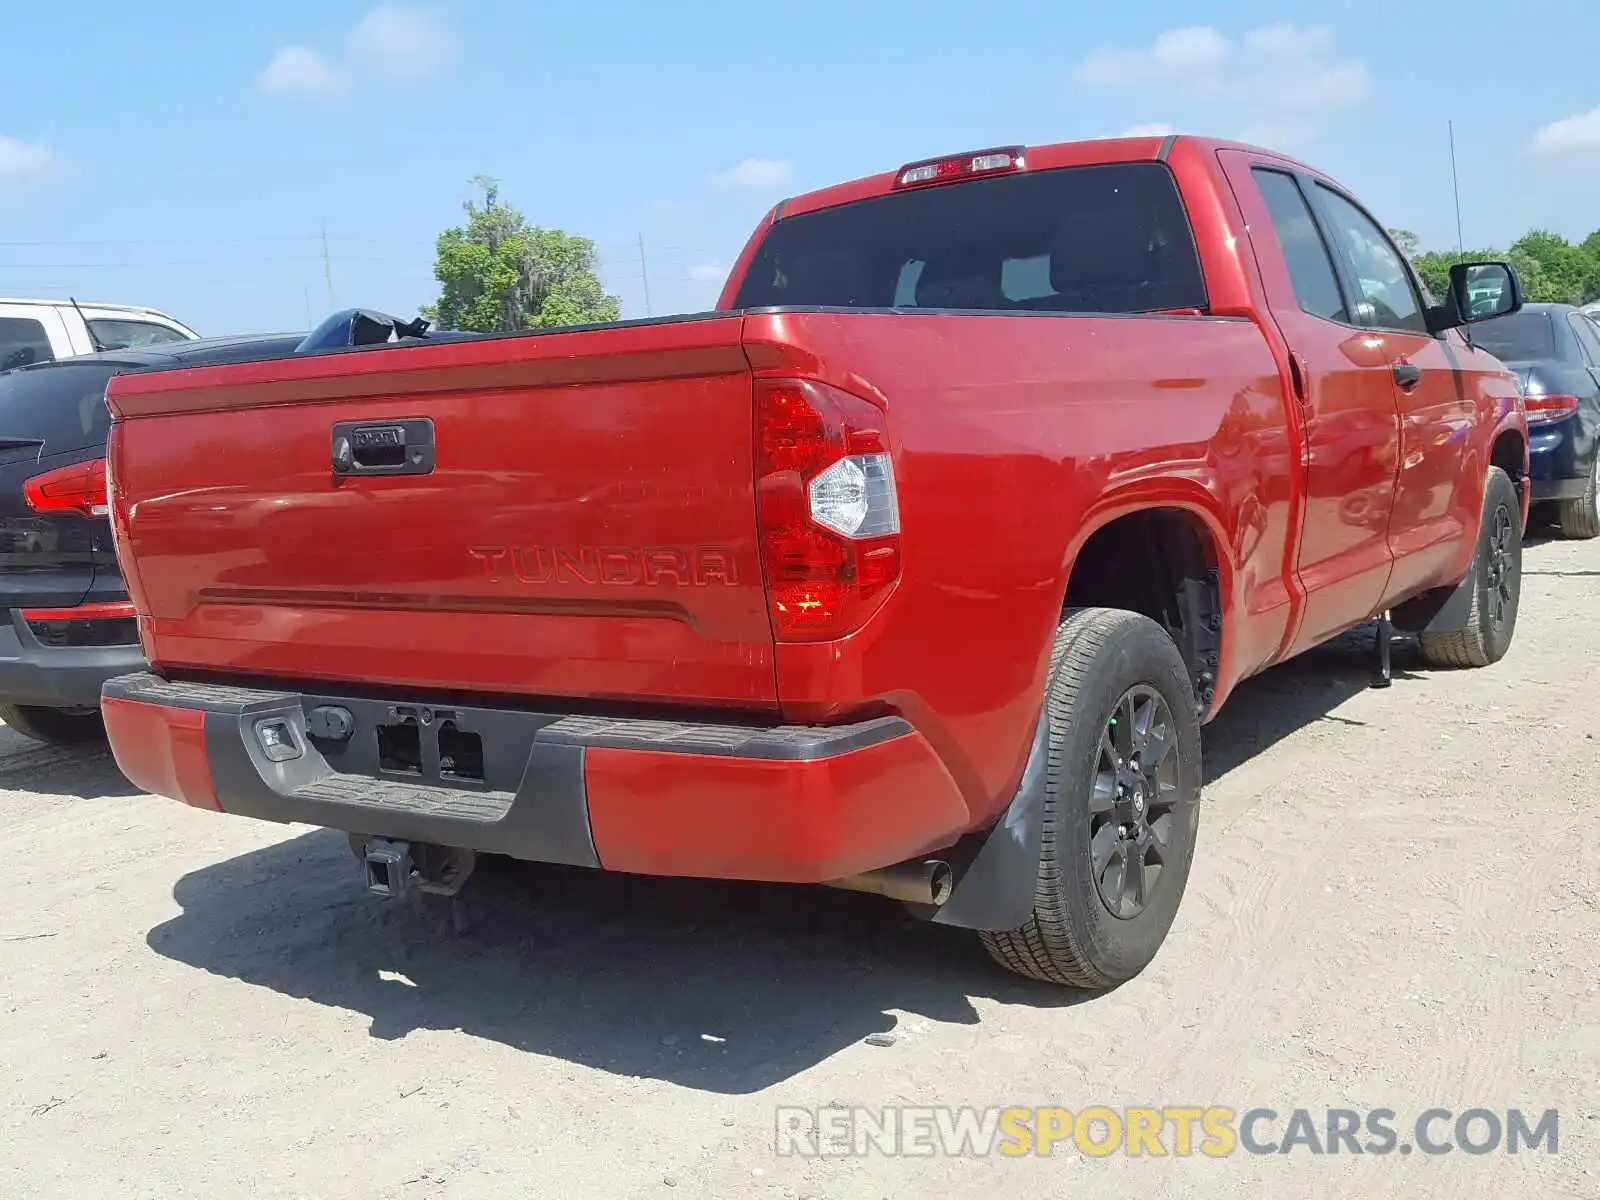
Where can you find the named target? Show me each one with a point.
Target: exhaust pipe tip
(941, 881)
(923, 881)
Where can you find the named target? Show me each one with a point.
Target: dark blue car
(1555, 351)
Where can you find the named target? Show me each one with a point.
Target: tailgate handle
(383, 447)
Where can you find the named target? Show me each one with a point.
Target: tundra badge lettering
(609, 566)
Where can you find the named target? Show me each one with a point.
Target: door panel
(1435, 505)
(1347, 406)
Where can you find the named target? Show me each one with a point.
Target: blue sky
(188, 155)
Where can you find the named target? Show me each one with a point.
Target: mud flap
(1443, 610)
(994, 889)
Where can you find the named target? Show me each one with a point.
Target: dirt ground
(1396, 904)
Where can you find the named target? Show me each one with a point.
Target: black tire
(1492, 619)
(1580, 518)
(55, 726)
(1073, 938)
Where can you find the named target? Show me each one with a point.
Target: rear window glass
(124, 335)
(64, 404)
(1100, 239)
(1517, 337)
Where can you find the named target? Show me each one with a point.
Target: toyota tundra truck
(916, 567)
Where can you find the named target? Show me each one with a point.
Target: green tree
(1409, 243)
(1434, 267)
(1564, 270)
(499, 274)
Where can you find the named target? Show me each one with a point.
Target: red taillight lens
(829, 512)
(111, 610)
(80, 488)
(1542, 410)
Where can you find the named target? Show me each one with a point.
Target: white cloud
(400, 43)
(1176, 52)
(298, 71)
(1155, 129)
(1291, 71)
(708, 273)
(1278, 135)
(24, 162)
(1570, 135)
(756, 173)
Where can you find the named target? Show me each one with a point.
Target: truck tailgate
(587, 528)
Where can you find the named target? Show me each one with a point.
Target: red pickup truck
(915, 568)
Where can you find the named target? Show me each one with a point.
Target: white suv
(42, 330)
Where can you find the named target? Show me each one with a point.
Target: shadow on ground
(1308, 688)
(726, 988)
(79, 771)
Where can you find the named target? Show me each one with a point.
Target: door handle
(1297, 378)
(1407, 376)
(383, 447)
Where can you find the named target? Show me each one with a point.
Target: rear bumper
(57, 677)
(792, 804)
(1558, 468)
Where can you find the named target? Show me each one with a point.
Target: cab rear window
(1112, 238)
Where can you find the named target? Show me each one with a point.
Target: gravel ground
(1394, 906)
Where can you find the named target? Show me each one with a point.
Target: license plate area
(447, 746)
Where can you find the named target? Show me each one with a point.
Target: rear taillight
(830, 518)
(110, 610)
(80, 488)
(1554, 406)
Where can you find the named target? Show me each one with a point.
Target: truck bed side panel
(1016, 437)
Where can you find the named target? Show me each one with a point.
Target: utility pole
(1455, 181)
(644, 277)
(327, 266)
(310, 320)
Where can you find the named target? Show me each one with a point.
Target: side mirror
(1479, 291)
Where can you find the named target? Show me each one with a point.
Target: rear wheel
(1492, 619)
(56, 726)
(1580, 518)
(1121, 808)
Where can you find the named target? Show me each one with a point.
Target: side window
(1388, 299)
(125, 335)
(23, 341)
(1316, 286)
(1588, 337)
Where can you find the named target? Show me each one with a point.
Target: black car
(1555, 351)
(66, 625)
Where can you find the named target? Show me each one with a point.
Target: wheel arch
(1160, 551)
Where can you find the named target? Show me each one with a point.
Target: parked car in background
(1554, 350)
(36, 331)
(65, 622)
(915, 570)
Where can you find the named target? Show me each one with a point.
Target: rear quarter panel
(1015, 438)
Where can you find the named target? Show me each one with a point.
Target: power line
(327, 266)
(644, 277)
